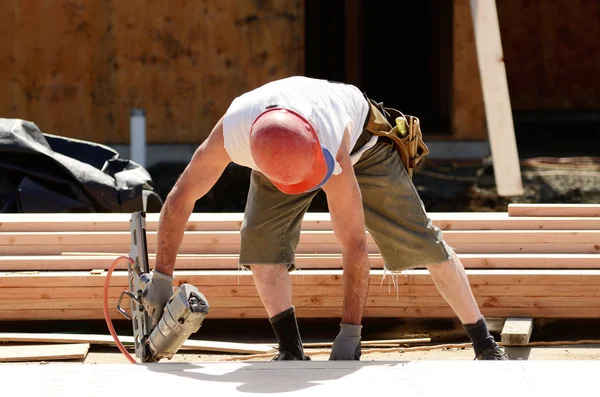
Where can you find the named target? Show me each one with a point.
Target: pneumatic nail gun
(183, 313)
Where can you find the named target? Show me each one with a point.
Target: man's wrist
(164, 270)
(351, 330)
(162, 277)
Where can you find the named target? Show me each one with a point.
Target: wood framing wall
(77, 67)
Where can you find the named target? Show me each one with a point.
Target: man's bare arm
(346, 211)
(205, 168)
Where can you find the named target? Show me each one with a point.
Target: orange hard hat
(286, 148)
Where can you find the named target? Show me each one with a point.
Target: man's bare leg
(451, 281)
(274, 285)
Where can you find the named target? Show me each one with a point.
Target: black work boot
(484, 344)
(286, 330)
(497, 353)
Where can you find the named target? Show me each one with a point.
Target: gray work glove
(346, 345)
(156, 294)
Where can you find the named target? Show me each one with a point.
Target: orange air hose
(107, 318)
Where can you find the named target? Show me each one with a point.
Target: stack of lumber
(540, 261)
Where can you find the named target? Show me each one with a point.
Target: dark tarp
(44, 173)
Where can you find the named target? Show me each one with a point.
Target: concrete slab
(405, 378)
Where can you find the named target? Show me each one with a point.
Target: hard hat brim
(322, 173)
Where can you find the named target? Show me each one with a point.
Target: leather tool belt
(403, 131)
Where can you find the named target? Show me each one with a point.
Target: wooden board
(190, 344)
(83, 261)
(554, 210)
(76, 351)
(316, 292)
(318, 312)
(311, 277)
(496, 98)
(500, 293)
(314, 378)
(311, 242)
(516, 331)
(119, 222)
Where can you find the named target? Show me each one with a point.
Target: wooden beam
(540, 293)
(38, 314)
(85, 261)
(498, 110)
(44, 352)
(517, 331)
(321, 277)
(311, 242)
(190, 344)
(554, 210)
(96, 222)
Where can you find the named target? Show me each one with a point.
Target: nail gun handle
(131, 296)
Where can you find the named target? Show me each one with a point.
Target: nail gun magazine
(183, 313)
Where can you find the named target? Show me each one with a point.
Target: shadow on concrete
(266, 377)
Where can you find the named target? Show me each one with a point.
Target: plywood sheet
(182, 61)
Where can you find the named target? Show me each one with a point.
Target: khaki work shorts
(394, 216)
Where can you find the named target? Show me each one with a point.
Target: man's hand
(346, 345)
(156, 294)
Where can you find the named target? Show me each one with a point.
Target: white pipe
(137, 124)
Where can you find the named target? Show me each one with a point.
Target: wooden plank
(44, 352)
(313, 378)
(310, 277)
(306, 237)
(93, 339)
(385, 342)
(502, 293)
(115, 222)
(306, 291)
(310, 248)
(82, 261)
(496, 97)
(554, 210)
(391, 300)
(468, 112)
(311, 242)
(315, 312)
(190, 344)
(517, 331)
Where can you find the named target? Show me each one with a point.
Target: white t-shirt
(328, 106)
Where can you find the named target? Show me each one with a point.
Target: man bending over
(300, 135)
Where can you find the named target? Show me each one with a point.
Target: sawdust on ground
(566, 352)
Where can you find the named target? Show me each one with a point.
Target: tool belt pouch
(412, 148)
